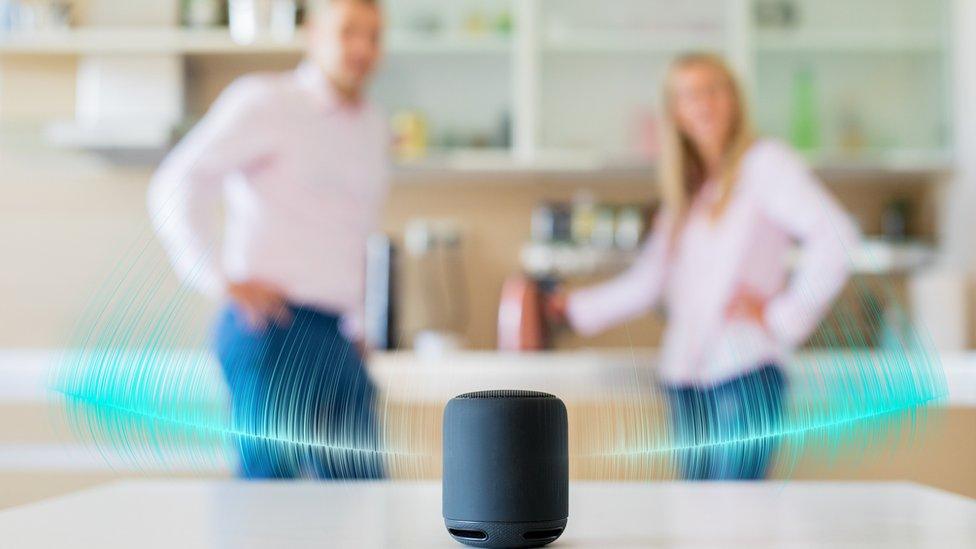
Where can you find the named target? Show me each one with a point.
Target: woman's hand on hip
(747, 305)
(261, 303)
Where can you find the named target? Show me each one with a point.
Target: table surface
(188, 514)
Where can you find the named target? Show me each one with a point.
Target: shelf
(506, 165)
(794, 41)
(504, 160)
(566, 260)
(178, 41)
(882, 165)
(875, 257)
(882, 257)
(101, 41)
(135, 136)
(402, 43)
(666, 43)
(499, 162)
(893, 165)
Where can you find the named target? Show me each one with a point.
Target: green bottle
(805, 125)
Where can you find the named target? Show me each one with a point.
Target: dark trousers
(302, 405)
(728, 432)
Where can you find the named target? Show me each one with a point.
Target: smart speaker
(506, 468)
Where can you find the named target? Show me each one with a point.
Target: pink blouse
(776, 202)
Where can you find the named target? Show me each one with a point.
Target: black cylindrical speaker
(506, 468)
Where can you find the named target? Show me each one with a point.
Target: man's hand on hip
(261, 303)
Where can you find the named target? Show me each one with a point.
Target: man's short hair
(319, 6)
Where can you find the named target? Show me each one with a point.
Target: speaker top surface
(505, 393)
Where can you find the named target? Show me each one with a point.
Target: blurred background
(526, 134)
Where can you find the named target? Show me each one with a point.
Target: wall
(63, 230)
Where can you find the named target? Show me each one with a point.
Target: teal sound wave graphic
(218, 430)
(141, 385)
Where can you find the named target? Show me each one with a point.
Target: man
(300, 161)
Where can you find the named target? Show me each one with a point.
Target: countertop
(406, 376)
(579, 377)
(235, 514)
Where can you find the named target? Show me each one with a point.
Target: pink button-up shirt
(302, 176)
(776, 202)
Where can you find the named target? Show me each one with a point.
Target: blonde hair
(682, 172)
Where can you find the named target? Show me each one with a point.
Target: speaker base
(505, 534)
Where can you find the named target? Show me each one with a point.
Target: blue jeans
(301, 402)
(730, 431)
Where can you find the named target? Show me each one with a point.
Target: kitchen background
(525, 142)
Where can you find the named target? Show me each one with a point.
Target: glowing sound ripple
(131, 388)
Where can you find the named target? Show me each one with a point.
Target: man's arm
(185, 192)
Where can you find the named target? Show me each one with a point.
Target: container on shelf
(584, 218)
(20, 16)
(630, 228)
(895, 220)
(251, 20)
(776, 14)
(202, 13)
(582, 238)
(805, 126)
(552, 222)
(410, 135)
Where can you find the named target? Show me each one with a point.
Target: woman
(717, 258)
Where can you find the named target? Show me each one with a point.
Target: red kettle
(522, 323)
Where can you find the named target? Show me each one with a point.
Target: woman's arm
(593, 310)
(792, 197)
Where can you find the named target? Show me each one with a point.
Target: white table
(232, 514)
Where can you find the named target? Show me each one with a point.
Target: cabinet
(573, 85)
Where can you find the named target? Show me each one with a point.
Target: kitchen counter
(583, 375)
(34, 439)
(218, 514)
(577, 376)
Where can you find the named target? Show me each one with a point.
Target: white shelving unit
(578, 81)
(878, 77)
